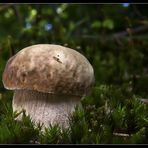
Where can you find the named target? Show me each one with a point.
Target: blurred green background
(113, 37)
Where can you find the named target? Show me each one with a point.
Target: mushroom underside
(45, 108)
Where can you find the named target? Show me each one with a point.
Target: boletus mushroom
(48, 82)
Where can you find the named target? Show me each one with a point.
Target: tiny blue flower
(28, 25)
(48, 26)
(125, 4)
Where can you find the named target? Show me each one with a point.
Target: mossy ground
(111, 115)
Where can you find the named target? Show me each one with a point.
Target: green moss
(95, 123)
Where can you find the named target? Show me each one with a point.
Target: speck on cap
(49, 68)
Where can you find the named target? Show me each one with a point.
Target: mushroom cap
(49, 68)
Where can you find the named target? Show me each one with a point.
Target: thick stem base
(44, 107)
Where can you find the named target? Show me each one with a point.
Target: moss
(95, 123)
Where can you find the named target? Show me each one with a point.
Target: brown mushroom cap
(49, 68)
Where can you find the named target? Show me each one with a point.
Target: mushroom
(48, 82)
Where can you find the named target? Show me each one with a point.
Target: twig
(117, 36)
(139, 29)
(121, 134)
(144, 101)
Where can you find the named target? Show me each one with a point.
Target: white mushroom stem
(45, 107)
